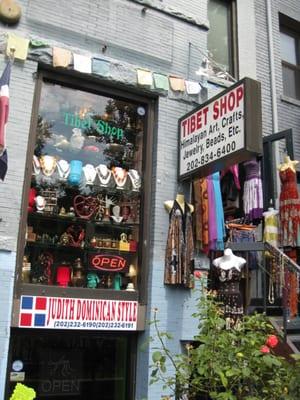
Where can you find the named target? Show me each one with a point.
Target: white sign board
(73, 313)
(214, 131)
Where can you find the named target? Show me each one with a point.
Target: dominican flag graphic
(4, 108)
(33, 312)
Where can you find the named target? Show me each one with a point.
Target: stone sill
(290, 100)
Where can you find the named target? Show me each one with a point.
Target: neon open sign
(107, 262)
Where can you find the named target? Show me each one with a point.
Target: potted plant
(224, 364)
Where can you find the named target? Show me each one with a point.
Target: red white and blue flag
(4, 109)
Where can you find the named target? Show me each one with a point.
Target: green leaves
(226, 364)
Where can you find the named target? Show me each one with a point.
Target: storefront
(81, 289)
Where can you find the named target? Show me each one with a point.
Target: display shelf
(109, 250)
(55, 218)
(52, 246)
(77, 292)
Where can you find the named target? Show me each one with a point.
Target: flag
(4, 108)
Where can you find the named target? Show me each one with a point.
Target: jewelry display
(74, 177)
(36, 165)
(40, 203)
(31, 199)
(78, 278)
(89, 174)
(63, 168)
(85, 207)
(104, 175)
(76, 140)
(116, 217)
(120, 176)
(92, 280)
(135, 180)
(63, 275)
(117, 282)
(84, 200)
(123, 243)
(50, 197)
(48, 165)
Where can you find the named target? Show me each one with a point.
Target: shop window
(84, 206)
(290, 57)
(75, 365)
(220, 41)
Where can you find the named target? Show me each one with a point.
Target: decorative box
(123, 243)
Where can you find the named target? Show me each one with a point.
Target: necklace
(135, 179)
(63, 169)
(48, 164)
(89, 173)
(104, 174)
(36, 165)
(120, 176)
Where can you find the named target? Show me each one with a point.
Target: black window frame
(232, 35)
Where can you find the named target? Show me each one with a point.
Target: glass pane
(75, 366)
(84, 202)
(289, 82)
(218, 38)
(288, 48)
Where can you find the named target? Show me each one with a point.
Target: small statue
(64, 239)
(92, 280)
(78, 278)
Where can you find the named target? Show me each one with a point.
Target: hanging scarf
(180, 247)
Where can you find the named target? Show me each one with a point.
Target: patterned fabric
(228, 293)
(180, 247)
(253, 198)
(289, 209)
(271, 233)
(201, 213)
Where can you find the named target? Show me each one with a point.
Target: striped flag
(4, 108)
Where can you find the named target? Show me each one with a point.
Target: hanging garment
(228, 294)
(180, 247)
(219, 212)
(212, 226)
(201, 213)
(271, 232)
(253, 197)
(289, 209)
(230, 184)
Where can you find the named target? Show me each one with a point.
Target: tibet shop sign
(223, 131)
(73, 313)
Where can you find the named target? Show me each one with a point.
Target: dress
(253, 197)
(179, 255)
(289, 209)
(228, 293)
(217, 220)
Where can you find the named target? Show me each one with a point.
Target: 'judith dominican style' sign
(73, 313)
(225, 130)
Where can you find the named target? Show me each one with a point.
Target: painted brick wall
(288, 114)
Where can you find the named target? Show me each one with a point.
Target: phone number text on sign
(213, 131)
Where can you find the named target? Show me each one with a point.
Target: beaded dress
(289, 209)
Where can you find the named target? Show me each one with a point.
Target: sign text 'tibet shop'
(222, 131)
(70, 313)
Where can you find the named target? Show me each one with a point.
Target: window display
(85, 197)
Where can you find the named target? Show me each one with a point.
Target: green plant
(224, 364)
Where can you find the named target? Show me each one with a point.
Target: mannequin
(288, 163)
(179, 255)
(181, 201)
(229, 260)
(227, 280)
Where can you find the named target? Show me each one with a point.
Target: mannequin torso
(229, 260)
(181, 201)
(288, 163)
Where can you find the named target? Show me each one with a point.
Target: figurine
(78, 279)
(64, 239)
(117, 282)
(62, 212)
(92, 280)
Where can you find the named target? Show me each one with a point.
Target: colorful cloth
(201, 213)
(271, 231)
(253, 198)
(289, 209)
(179, 255)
